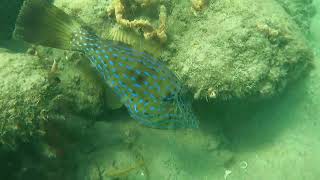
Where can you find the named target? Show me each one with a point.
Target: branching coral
(149, 31)
(160, 32)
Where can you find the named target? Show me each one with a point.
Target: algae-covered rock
(77, 92)
(33, 95)
(228, 49)
(23, 89)
(237, 49)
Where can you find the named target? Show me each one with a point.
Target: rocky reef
(38, 85)
(45, 97)
(232, 51)
(224, 50)
(221, 50)
(23, 92)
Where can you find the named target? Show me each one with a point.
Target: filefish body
(151, 92)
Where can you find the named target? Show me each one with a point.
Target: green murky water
(276, 138)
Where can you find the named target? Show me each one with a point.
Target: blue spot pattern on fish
(152, 93)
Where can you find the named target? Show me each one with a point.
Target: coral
(160, 32)
(199, 5)
(149, 31)
(227, 173)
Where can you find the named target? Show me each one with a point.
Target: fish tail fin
(44, 24)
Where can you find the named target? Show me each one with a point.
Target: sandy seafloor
(278, 139)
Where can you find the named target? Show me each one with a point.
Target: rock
(23, 91)
(237, 49)
(31, 98)
(230, 50)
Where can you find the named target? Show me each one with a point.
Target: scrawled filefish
(152, 93)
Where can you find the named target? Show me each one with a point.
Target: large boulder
(23, 91)
(237, 49)
(33, 95)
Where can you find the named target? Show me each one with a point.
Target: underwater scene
(159, 89)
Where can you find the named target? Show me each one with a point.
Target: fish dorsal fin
(135, 40)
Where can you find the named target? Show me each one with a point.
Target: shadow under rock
(249, 125)
(14, 46)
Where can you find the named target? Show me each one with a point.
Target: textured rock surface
(23, 91)
(238, 49)
(31, 97)
(76, 91)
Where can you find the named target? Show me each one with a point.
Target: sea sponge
(118, 8)
(160, 32)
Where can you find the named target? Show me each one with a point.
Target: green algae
(22, 115)
(235, 52)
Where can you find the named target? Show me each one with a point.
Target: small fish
(151, 92)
